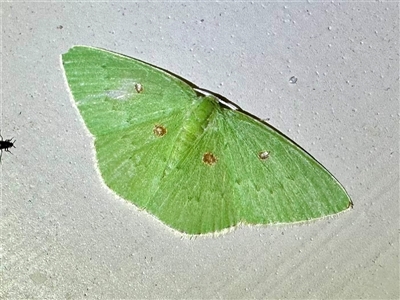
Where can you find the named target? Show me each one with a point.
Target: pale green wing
(115, 92)
(280, 181)
(135, 112)
(196, 165)
(258, 177)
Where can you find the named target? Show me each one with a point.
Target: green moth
(196, 163)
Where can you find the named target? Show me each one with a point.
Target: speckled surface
(64, 235)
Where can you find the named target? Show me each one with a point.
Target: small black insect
(6, 145)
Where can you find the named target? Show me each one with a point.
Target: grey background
(64, 235)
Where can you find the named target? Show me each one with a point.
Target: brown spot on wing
(159, 130)
(263, 155)
(209, 158)
(138, 88)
